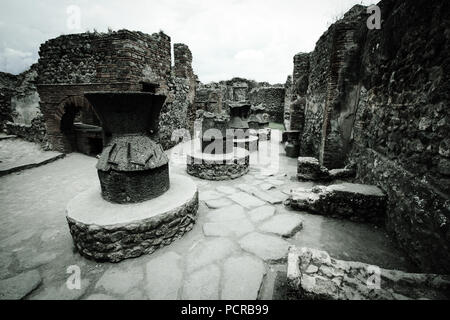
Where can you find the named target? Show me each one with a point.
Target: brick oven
(72, 65)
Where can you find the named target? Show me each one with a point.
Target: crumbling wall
(288, 98)
(300, 83)
(332, 89)
(7, 90)
(272, 99)
(401, 132)
(122, 56)
(183, 70)
(20, 111)
(379, 99)
(216, 96)
(72, 65)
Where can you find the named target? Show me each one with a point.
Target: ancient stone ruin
(332, 185)
(218, 155)
(132, 169)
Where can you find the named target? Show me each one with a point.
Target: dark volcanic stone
(134, 186)
(132, 168)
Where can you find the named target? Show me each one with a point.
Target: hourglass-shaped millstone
(132, 167)
(258, 119)
(239, 113)
(216, 137)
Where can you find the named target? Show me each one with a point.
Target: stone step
(313, 274)
(357, 202)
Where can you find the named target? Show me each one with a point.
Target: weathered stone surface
(218, 203)
(270, 196)
(246, 200)
(313, 274)
(266, 186)
(209, 195)
(234, 212)
(62, 292)
(164, 277)
(261, 213)
(19, 286)
(226, 189)
(275, 181)
(339, 174)
(310, 169)
(6, 259)
(209, 251)
(202, 284)
(17, 238)
(218, 167)
(268, 248)
(230, 228)
(107, 232)
(28, 260)
(347, 200)
(387, 114)
(285, 225)
(120, 281)
(242, 278)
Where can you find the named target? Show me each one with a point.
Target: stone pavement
(237, 249)
(17, 154)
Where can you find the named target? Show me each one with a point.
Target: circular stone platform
(218, 166)
(251, 143)
(105, 231)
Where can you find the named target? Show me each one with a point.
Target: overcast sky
(256, 39)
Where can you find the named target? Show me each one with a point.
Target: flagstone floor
(237, 249)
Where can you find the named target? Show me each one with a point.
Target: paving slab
(270, 196)
(17, 155)
(246, 200)
(120, 281)
(242, 278)
(266, 186)
(202, 284)
(226, 189)
(164, 277)
(62, 292)
(218, 203)
(18, 287)
(261, 213)
(209, 195)
(209, 251)
(233, 212)
(230, 228)
(285, 225)
(267, 247)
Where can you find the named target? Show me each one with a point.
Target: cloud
(249, 55)
(248, 38)
(14, 60)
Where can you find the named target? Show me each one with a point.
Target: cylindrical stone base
(218, 167)
(105, 231)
